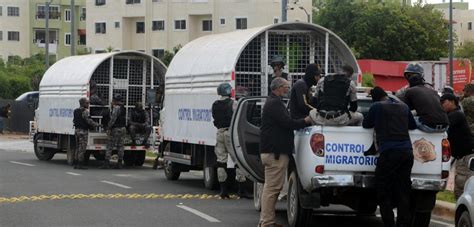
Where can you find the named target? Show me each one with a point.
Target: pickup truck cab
(328, 165)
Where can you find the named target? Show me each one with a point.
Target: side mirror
(471, 164)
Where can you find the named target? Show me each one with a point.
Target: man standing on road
(467, 104)
(391, 121)
(460, 137)
(337, 101)
(425, 100)
(4, 114)
(115, 132)
(277, 144)
(82, 123)
(222, 111)
(300, 98)
(139, 121)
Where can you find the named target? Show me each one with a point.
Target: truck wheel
(128, 158)
(99, 156)
(257, 195)
(87, 157)
(297, 215)
(464, 220)
(171, 171)
(140, 158)
(367, 204)
(42, 153)
(210, 176)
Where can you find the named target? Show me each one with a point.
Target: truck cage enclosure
(242, 58)
(128, 73)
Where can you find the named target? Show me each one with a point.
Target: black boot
(119, 164)
(224, 194)
(106, 165)
(242, 193)
(80, 165)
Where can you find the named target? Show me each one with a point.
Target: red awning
(81, 31)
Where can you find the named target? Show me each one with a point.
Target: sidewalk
(445, 210)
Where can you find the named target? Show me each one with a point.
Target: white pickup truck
(328, 165)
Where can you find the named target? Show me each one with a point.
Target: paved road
(36, 193)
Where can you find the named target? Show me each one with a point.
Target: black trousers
(393, 185)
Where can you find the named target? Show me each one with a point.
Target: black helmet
(224, 89)
(414, 68)
(117, 97)
(277, 59)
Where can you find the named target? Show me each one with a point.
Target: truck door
(245, 136)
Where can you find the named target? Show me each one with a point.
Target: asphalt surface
(37, 193)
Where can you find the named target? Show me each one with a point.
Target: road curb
(444, 210)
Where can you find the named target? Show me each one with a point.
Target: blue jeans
(428, 129)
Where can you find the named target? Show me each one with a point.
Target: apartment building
(23, 23)
(463, 19)
(154, 26)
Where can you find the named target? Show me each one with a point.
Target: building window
(469, 25)
(158, 25)
(222, 21)
(67, 15)
(100, 51)
(132, 1)
(67, 39)
(82, 39)
(207, 25)
(1, 35)
(13, 11)
(157, 1)
(180, 24)
(100, 28)
(117, 24)
(13, 36)
(53, 12)
(276, 20)
(159, 53)
(141, 27)
(83, 14)
(99, 2)
(241, 23)
(1, 11)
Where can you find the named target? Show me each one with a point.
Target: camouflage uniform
(222, 152)
(116, 135)
(82, 136)
(468, 108)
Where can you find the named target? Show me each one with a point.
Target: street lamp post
(308, 17)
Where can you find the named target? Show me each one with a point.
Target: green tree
(387, 30)
(168, 56)
(465, 51)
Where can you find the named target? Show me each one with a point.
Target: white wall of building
(461, 27)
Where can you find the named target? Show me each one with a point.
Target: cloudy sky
(471, 2)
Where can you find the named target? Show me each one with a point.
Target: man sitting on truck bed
(139, 121)
(300, 98)
(335, 92)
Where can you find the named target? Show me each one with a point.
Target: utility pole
(284, 8)
(46, 45)
(73, 30)
(451, 44)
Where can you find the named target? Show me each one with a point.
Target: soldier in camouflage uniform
(467, 104)
(82, 123)
(222, 110)
(115, 132)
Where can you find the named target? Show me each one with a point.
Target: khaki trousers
(275, 172)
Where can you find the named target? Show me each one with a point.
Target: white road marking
(74, 174)
(21, 163)
(199, 213)
(116, 184)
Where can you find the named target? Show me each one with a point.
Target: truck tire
(257, 195)
(99, 156)
(128, 158)
(209, 176)
(297, 215)
(42, 153)
(140, 157)
(171, 171)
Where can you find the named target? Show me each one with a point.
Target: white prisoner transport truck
(328, 165)
(136, 76)
(242, 59)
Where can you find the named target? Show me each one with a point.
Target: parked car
(465, 204)
(30, 97)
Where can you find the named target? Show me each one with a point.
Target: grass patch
(151, 154)
(446, 196)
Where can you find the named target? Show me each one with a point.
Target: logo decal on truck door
(424, 151)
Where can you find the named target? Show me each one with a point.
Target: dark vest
(395, 128)
(138, 116)
(334, 97)
(79, 121)
(120, 122)
(222, 113)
